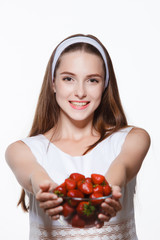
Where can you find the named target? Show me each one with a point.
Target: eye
(67, 79)
(93, 80)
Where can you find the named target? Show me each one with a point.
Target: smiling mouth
(79, 103)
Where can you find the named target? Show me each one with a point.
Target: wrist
(38, 178)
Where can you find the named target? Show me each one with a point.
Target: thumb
(45, 186)
(116, 192)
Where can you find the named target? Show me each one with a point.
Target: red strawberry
(60, 191)
(70, 184)
(85, 209)
(104, 183)
(85, 187)
(74, 193)
(88, 179)
(67, 210)
(77, 176)
(97, 178)
(91, 220)
(98, 201)
(63, 184)
(77, 221)
(97, 189)
(107, 190)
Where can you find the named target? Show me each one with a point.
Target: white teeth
(79, 103)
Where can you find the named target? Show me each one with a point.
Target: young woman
(79, 126)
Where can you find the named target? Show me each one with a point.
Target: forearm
(117, 174)
(38, 177)
(127, 164)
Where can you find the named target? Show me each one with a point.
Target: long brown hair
(108, 118)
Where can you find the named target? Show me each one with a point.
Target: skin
(80, 77)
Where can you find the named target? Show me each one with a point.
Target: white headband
(79, 39)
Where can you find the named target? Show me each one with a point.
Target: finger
(54, 211)
(44, 196)
(113, 203)
(104, 218)
(99, 224)
(107, 209)
(56, 217)
(50, 203)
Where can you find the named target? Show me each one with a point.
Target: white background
(29, 31)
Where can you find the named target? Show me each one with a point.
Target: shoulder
(16, 148)
(17, 151)
(22, 147)
(137, 138)
(139, 134)
(34, 147)
(33, 142)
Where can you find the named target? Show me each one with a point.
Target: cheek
(96, 94)
(59, 95)
(62, 94)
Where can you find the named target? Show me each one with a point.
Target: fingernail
(54, 197)
(60, 208)
(60, 200)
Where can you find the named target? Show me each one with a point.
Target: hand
(110, 207)
(49, 201)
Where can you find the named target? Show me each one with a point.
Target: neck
(74, 130)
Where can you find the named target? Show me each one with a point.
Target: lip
(79, 107)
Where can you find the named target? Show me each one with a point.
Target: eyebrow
(90, 75)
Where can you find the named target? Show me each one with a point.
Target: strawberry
(70, 184)
(97, 189)
(98, 201)
(63, 184)
(91, 220)
(67, 210)
(77, 221)
(97, 178)
(77, 176)
(85, 209)
(85, 187)
(60, 191)
(74, 193)
(88, 179)
(104, 183)
(107, 190)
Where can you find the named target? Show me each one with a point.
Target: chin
(82, 119)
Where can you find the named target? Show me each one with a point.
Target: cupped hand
(110, 207)
(49, 201)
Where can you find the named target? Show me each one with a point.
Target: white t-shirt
(59, 166)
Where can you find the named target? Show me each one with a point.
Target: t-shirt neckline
(67, 154)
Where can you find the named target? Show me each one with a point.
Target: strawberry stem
(58, 193)
(89, 209)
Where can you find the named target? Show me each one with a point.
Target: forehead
(80, 58)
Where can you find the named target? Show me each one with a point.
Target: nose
(80, 90)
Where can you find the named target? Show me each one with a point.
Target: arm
(33, 177)
(124, 168)
(29, 173)
(128, 162)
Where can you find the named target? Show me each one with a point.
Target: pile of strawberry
(81, 213)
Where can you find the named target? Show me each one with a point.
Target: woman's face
(79, 84)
